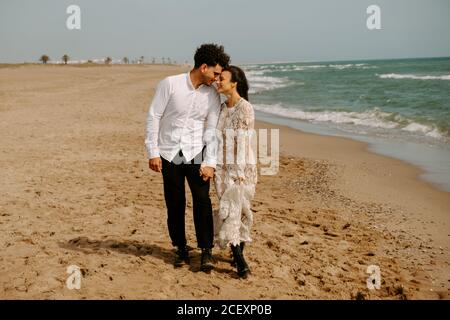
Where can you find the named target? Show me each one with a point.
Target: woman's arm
(244, 138)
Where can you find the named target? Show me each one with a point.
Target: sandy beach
(76, 190)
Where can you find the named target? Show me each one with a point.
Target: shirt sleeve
(210, 135)
(156, 110)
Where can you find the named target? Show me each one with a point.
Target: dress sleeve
(245, 131)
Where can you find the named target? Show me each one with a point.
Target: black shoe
(207, 263)
(242, 268)
(242, 247)
(233, 262)
(181, 257)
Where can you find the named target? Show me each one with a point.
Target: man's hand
(206, 173)
(155, 164)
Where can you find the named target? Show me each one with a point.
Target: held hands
(206, 173)
(155, 164)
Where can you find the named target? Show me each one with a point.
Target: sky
(252, 31)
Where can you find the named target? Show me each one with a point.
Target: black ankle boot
(207, 263)
(242, 268)
(233, 262)
(181, 257)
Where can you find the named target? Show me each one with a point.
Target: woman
(236, 174)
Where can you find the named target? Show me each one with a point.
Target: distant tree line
(108, 60)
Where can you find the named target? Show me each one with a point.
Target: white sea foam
(374, 118)
(256, 72)
(412, 76)
(295, 67)
(259, 83)
(346, 66)
(421, 128)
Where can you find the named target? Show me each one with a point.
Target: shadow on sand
(139, 249)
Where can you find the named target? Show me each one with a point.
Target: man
(181, 143)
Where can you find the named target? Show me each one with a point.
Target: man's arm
(156, 110)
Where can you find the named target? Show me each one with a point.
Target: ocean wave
(412, 76)
(374, 118)
(350, 65)
(259, 83)
(339, 66)
(255, 72)
(296, 67)
(421, 128)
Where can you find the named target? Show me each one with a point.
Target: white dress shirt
(183, 118)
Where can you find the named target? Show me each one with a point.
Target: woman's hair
(238, 76)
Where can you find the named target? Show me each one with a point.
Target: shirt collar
(190, 85)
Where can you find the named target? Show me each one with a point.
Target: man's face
(210, 74)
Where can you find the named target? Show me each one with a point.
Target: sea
(401, 108)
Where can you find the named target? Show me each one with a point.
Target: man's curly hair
(211, 54)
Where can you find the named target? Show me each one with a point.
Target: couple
(188, 138)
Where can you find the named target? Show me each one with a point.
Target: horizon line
(343, 60)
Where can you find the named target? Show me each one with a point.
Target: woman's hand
(206, 173)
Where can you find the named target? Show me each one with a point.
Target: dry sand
(76, 190)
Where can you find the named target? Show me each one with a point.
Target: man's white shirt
(183, 118)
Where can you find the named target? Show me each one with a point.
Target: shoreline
(430, 172)
(396, 173)
(417, 207)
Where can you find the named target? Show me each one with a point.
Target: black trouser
(174, 175)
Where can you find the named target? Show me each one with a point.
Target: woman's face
(224, 85)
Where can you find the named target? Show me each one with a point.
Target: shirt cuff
(153, 154)
(208, 164)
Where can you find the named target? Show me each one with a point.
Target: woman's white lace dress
(233, 220)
